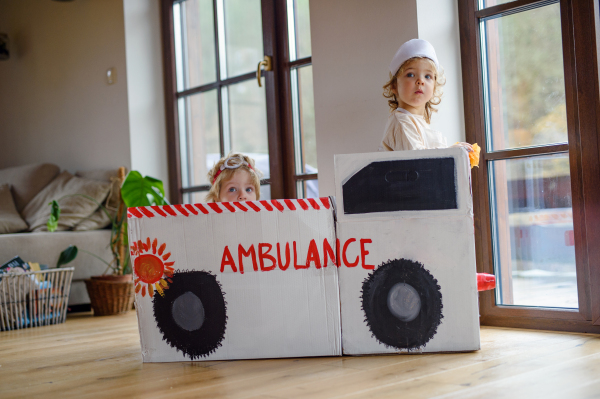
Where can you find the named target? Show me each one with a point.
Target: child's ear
(394, 87)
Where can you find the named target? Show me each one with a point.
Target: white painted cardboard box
(405, 224)
(236, 280)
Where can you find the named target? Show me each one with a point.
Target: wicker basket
(33, 299)
(110, 297)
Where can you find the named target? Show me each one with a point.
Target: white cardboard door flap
(419, 292)
(236, 280)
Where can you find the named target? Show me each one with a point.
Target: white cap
(410, 49)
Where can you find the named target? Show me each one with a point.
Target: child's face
(238, 188)
(415, 85)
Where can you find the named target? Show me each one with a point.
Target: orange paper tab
(474, 155)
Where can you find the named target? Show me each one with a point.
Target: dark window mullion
(511, 8)
(217, 84)
(306, 176)
(218, 70)
(301, 62)
(170, 84)
(294, 93)
(526, 152)
(285, 145)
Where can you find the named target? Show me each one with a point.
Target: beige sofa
(25, 192)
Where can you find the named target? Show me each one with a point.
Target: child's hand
(473, 152)
(466, 146)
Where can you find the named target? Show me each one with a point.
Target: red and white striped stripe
(229, 207)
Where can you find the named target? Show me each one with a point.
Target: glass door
(527, 154)
(217, 105)
(302, 104)
(530, 81)
(221, 108)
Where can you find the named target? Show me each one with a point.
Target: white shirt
(405, 131)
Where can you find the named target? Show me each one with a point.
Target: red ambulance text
(268, 258)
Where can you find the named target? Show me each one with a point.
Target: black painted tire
(204, 340)
(390, 330)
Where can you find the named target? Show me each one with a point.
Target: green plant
(142, 191)
(67, 256)
(135, 191)
(54, 215)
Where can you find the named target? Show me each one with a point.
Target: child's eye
(232, 190)
(410, 75)
(249, 190)
(428, 76)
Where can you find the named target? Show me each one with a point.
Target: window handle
(268, 64)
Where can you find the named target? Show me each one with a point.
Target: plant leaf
(127, 265)
(142, 191)
(52, 222)
(125, 237)
(67, 256)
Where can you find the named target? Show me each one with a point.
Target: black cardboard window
(402, 185)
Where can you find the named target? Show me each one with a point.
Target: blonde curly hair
(226, 174)
(440, 80)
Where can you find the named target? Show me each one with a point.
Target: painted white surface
(55, 103)
(353, 42)
(271, 314)
(438, 24)
(442, 240)
(145, 90)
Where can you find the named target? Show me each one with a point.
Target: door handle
(268, 66)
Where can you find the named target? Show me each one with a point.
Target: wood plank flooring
(100, 357)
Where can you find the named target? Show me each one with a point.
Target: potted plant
(112, 292)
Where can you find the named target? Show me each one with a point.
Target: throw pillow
(99, 219)
(27, 181)
(10, 220)
(73, 209)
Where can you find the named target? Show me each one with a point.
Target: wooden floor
(100, 357)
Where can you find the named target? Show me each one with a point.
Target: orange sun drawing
(151, 269)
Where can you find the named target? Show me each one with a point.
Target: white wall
(147, 127)
(55, 104)
(353, 42)
(438, 24)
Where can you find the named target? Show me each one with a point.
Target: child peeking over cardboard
(234, 178)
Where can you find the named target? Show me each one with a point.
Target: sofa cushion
(27, 181)
(73, 209)
(99, 218)
(10, 220)
(106, 175)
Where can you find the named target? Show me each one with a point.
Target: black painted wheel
(192, 314)
(402, 302)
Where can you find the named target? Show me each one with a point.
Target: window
(215, 104)
(530, 81)
(303, 109)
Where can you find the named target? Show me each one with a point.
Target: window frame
(580, 63)
(284, 67)
(277, 84)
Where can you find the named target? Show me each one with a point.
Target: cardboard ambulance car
(387, 266)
